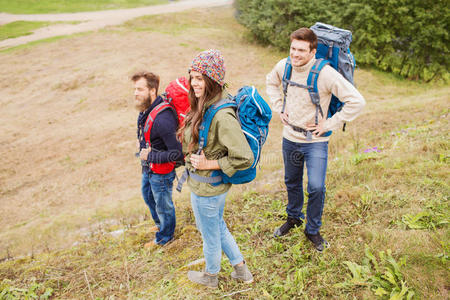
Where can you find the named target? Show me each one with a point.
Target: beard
(142, 105)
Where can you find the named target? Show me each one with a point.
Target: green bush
(406, 37)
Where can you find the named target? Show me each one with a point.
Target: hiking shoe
(284, 229)
(154, 229)
(151, 245)
(319, 242)
(242, 273)
(203, 278)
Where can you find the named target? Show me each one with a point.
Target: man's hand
(284, 118)
(318, 129)
(144, 153)
(200, 162)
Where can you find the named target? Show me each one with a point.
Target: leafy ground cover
(62, 6)
(386, 213)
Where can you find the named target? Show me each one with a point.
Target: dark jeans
(316, 157)
(157, 193)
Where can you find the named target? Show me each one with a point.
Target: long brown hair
(195, 115)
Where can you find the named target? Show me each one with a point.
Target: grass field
(21, 28)
(65, 6)
(70, 185)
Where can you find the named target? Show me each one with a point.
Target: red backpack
(177, 93)
(175, 98)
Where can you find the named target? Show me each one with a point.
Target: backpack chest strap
(293, 83)
(311, 84)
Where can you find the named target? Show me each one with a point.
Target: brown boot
(151, 245)
(154, 229)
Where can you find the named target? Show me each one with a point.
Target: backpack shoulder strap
(203, 140)
(285, 81)
(207, 120)
(287, 70)
(314, 73)
(151, 118)
(311, 82)
(169, 101)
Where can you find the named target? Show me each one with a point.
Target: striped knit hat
(211, 64)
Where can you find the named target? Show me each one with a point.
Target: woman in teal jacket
(227, 150)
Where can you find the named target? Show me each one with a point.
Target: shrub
(406, 37)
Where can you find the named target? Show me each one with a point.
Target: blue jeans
(157, 193)
(316, 157)
(208, 212)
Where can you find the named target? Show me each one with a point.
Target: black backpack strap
(307, 133)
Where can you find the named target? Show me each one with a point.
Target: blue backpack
(332, 49)
(254, 115)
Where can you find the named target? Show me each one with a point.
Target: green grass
(386, 213)
(43, 41)
(20, 28)
(64, 6)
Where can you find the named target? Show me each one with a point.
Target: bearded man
(158, 154)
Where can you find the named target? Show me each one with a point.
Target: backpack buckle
(330, 50)
(201, 145)
(315, 98)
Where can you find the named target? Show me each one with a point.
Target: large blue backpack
(254, 115)
(333, 49)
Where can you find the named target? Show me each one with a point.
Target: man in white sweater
(302, 136)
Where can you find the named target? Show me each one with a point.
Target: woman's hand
(200, 162)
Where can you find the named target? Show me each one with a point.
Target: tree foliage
(406, 37)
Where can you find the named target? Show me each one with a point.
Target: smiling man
(303, 140)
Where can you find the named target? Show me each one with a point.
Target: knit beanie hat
(211, 64)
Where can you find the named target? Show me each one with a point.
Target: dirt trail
(95, 20)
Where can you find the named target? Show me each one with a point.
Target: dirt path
(94, 20)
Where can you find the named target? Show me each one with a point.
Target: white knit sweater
(299, 107)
